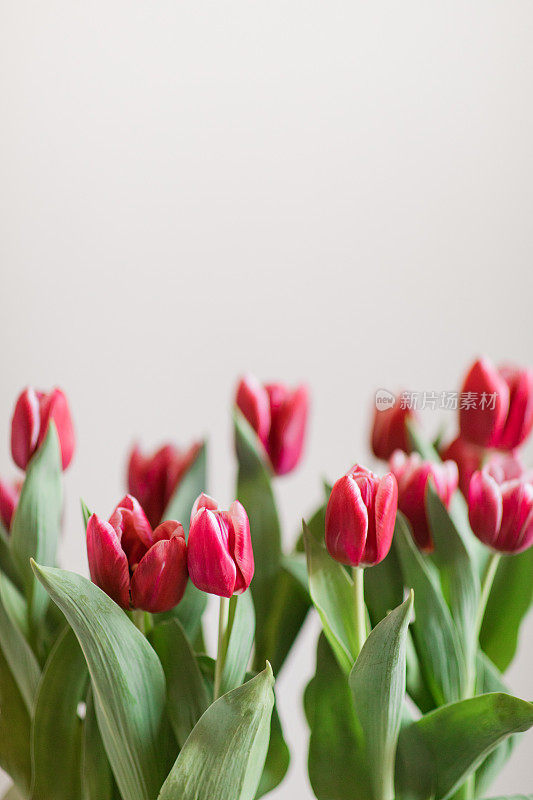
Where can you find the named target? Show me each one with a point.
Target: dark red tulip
(33, 411)
(470, 458)
(389, 430)
(360, 517)
(221, 559)
(9, 497)
(153, 479)
(136, 566)
(501, 511)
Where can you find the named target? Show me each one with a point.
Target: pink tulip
(360, 517)
(278, 415)
(153, 479)
(29, 426)
(413, 474)
(9, 497)
(136, 566)
(221, 559)
(501, 412)
(470, 458)
(389, 431)
(501, 511)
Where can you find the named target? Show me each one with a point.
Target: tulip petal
(385, 507)
(483, 425)
(211, 568)
(389, 431)
(346, 522)
(160, 580)
(288, 428)
(25, 427)
(252, 400)
(133, 529)
(520, 417)
(108, 564)
(9, 495)
(54, 406)
(485, 507)
(241, 547)
(515, 531)
(203, 501)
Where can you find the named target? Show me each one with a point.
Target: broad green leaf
(240, 642)
(57, 728)
(338, 766)
(377, 682)
(254, 490)
(437, 752)
(15, 730)
(332, 592)
(97, 781)
(225, 753)
(189, 611)
(383, 586)
(7, 564)
(509, 601)
(187, 696)
(277, 758)
(417, 688)
(37, 520)
(17, 652)
(459, 579)
(127, 679)
(193, 483)
(434, 632)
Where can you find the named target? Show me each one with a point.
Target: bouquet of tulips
(421, 579)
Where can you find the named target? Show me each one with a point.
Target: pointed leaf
(57, 728)
(384, 586)
(17, 652)
(437, 752)
(97, 781)
(225, 753)
(127, 679)
(85, 513)
(240, 643)
(277, 758)
(37, 520)
(15, 730)
(189, 611)
(377, 681)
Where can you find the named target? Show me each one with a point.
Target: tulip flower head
(470, 458)
(389, 430)
(501, 511)
(29, 426)
(221, 559)
(153, 479)
(501, 412)
(360, 517)
(136, 566)
(413, 474)
(278, 415)
(9, 497)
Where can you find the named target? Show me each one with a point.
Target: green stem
(486, 586)
(226, 617)
(361, 630)
(138, 619)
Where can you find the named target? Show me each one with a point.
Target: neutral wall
(332, 191)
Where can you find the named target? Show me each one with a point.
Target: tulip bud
(389, 430)
(501, 412)
(470, 458)
(9, 497)
(501, 512)
(360, 517)
(135, 566)
(221, 560)
(153, 479)
(279, 417)
(413, 474)
(29, 426)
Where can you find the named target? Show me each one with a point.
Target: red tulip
(501, 511)
(470, 458)
(153, 479)
(413, 474)
(501, 412)
(389, 431)
(279, 417)
(221, 559)
(9, 497)
(29, 426)
(360, 517)
(135, 566)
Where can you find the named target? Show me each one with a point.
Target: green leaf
(86, 514)
(277, 758)
(515, 797)
(434, 633)
(225, 753)
(193, 483)
(377, 681)
(15, 730)
(187, 696)
(338, 767)
(57, 728)
(254, 490)
(37, 520)
(437, 752)
(97, 781)
(383, 586)
(127, 679)
(332, 593)
(189, 611)
(509, 601)
(240, 642)
(17, 652)
(7, 564)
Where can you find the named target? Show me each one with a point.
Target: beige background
(335, 191)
